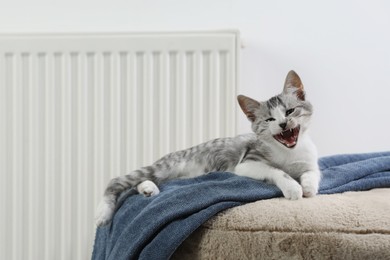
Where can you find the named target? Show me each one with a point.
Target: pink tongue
(290, 139)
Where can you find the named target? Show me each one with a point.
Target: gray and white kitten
(278, 151)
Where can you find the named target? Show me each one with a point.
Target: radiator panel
(77, 110)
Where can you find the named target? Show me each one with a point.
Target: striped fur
(236, 154)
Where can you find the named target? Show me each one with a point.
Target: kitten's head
(283, 118)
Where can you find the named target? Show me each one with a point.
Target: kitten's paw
(148, 188)
(310, 182)
(309, 190)
(105, 211)
(293, 191)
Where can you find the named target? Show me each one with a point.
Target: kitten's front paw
(309, 190)
(293, 191)
(310, 182)
(105, 211)
(148, 188)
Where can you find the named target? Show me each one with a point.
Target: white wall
(341, 49)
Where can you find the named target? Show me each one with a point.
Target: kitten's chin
(288, 138)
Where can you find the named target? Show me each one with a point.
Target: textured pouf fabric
(351, 225)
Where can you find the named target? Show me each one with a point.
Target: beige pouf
(352, 225)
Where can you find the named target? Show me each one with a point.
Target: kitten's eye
(270, 119)
(288, 112)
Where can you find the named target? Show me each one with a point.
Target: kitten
(278, 151)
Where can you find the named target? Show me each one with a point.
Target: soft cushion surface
(352, 225)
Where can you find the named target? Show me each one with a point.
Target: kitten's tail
(142, 179)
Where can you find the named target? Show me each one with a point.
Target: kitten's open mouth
(288, 138)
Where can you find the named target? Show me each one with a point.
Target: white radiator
(77, 110)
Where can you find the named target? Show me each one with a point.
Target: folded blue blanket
(153, 227)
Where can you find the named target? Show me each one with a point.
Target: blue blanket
(152, 228)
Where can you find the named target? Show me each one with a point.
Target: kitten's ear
(293, 81)
(248, 106)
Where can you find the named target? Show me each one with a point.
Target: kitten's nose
(283, 125)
